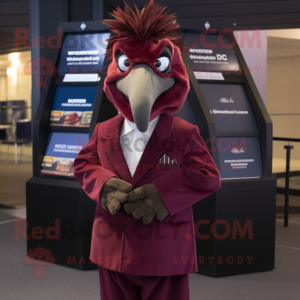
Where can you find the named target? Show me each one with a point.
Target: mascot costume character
(145, 168)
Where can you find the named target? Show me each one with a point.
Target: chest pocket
(159, 170)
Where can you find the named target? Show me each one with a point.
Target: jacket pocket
(162, 167)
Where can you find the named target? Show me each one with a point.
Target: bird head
(147, 76)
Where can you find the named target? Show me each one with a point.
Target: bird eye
(162, 63)
(123, 63)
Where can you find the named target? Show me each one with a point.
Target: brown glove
(113, 193)
(145, 202)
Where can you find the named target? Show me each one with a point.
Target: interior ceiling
(13, 14)
(192, 14)
(236, 14)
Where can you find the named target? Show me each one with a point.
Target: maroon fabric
(124, 244)
(115, 285)
(138, 52)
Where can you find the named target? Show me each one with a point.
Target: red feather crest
(150, 22)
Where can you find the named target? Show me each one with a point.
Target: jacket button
(128, 222)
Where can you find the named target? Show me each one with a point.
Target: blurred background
(272, 52)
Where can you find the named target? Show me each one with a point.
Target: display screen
(62, 149)
(83, 53)
(239, 157)
(230, 108)
(73, 106)
(210, 54)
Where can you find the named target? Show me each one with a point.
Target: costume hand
(113, 193)
(145, 202)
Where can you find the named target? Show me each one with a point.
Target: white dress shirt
(133, 142)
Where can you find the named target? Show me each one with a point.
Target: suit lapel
(114, 150)
(158, 143)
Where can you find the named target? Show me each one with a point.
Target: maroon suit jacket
(124, 244)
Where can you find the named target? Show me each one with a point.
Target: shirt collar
(129, 126)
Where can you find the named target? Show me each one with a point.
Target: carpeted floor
(17, 279)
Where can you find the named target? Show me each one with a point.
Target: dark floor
(17, 280)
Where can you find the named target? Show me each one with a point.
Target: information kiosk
(235, 227)
(59, 214)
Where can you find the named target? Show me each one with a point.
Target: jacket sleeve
(88, 170)
(198, 178)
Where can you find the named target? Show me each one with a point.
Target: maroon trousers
(115, 285)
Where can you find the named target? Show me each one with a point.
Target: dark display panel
(62, 149)
(230, 108)
(83, 53)
(210, 54)
(239, 157)
(73, 106)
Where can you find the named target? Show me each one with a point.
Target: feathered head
(147, 76)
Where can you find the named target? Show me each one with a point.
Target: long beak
(142, 86)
